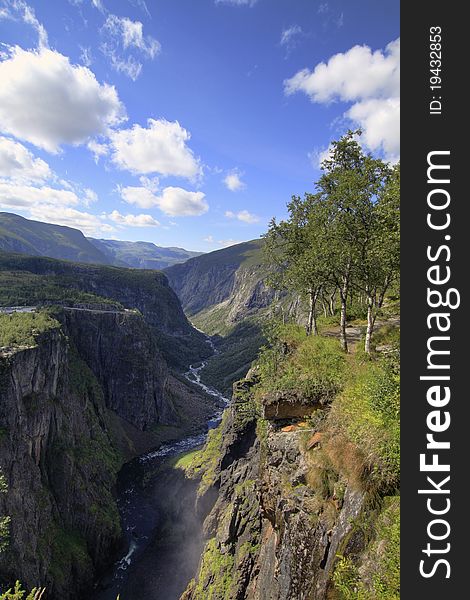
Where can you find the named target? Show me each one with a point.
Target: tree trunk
(312, 317)
(342, 325)
(332, 302)
(370, 323)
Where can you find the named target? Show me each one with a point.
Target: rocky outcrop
(272, 535)
(59, 465)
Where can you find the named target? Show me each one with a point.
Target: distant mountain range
(35, 238)
(142, 255)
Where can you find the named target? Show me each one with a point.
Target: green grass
(314, 366)
(23, 329)
(367, 412)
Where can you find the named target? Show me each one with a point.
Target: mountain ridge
(36, 238)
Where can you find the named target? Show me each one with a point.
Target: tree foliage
(344, 237)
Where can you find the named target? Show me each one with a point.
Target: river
(163, 538)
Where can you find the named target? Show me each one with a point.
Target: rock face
(92, 385)
(271, 536)
(230, 280)
(146, 291)
(122, 353)
(59, 464)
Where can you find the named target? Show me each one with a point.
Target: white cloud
(20, 10)
(98, 150)
(159, 148)
(98, 5)
(177, 202)
(15, 195)
(17, 162)
(243, 215)
(47, 101)
(90, 196)
(140, 196)
(357, 74)
(289, 35)
(370, 81)
(209, 239)
(86, 56)
(123, 35)
(131, 35)
(133, 220)
(88, 223)
(233, 181)
(173, 201)
(379, 120)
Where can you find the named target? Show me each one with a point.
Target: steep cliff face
(279, 528)
(122, 353)
(59, 464)
(229, 282)
(42, 280)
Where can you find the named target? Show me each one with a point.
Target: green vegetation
(215, 574)
(23, 329)
(203, 463)
(343, 239)
(381, 581)
(236, 353)
(18, 234)
(18, 593)
(313, 366)
(23, 288)
(367, 413)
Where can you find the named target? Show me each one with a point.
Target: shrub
(22, 329)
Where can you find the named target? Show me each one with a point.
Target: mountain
(225, 294)
(141, 255)
(88, 380)
(228, 282)
(18, 234)
(35, 238)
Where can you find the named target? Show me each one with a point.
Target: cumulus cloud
(159, 148)
(356, 74)
(233, 181)
(88, 223)
(140, 196)
(122, 35)
(242, 215)
(379, 120)
(173, 201)
(370, 81)
(133, 220)
(18, 10)
(17, 162)
(47, 101)
(15, 195)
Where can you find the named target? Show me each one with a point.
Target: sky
(186, 123)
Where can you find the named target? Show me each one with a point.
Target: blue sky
(181, 122)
